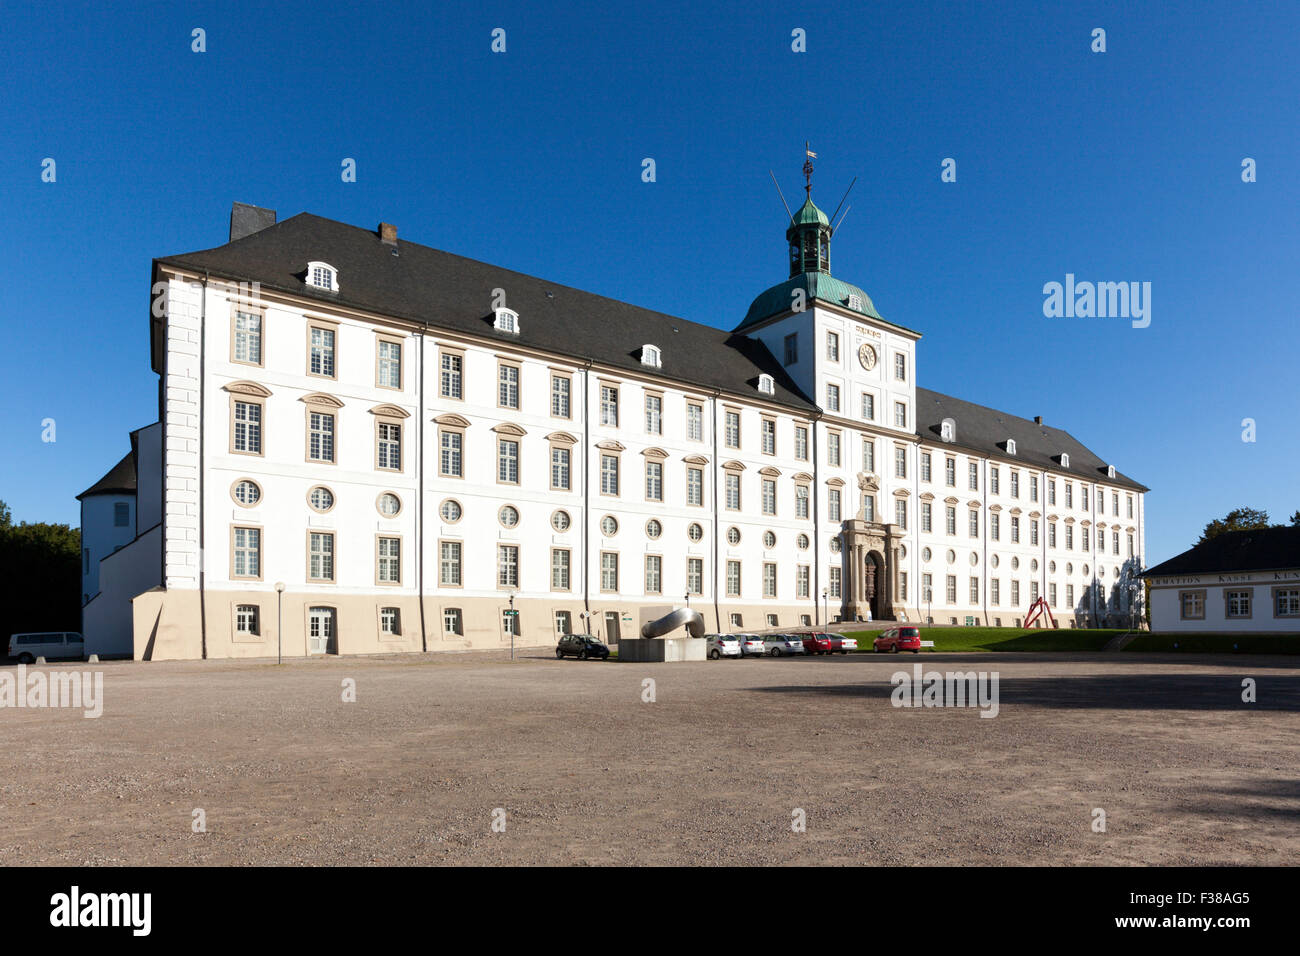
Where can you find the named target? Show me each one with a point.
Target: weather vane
(809, 156)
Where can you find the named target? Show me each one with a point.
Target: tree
(1239, 519)
(40, 577)
(1295, 519)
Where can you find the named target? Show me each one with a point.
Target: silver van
(51, 645)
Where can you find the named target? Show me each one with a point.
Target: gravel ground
(710, 772)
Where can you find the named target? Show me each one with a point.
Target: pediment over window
(802, 476)
(1102, 525)
(248, 388)
(695, 460)
(1085, 523)
(1053, 517)
(390, 411)
(320, 398)
(509, 428)
(733, 466)
(657, 453)
(1035, 514)
(835, 482)
(769, 471)
(991, 507)
(902, 493)
(972, 505)
(1069, 521)
(455, 421)
(929, 496)
(1015, 511)
(561, 438)
(951, 501)
(610, 445)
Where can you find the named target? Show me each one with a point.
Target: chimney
(1038, 419)
(246, 220)
(388, 233)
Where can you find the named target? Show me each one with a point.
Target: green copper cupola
(809, 236)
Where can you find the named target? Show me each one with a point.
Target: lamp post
(279, 627)
(826, 601)
(512, 625)
(929, 605)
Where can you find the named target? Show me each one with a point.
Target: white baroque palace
(369, 445)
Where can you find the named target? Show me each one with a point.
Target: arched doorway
(873, 583)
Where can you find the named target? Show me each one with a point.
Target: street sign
(511, 613)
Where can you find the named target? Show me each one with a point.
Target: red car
(822, 643)
(899, 639)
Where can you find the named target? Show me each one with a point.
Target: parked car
(817, 643)
(722, 645)
(581, 646)
(843, 644)
(50, 645)
(898, 639)
(751, 645)
(782, 644)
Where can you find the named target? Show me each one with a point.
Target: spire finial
(809, 156)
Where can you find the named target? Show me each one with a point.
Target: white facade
(1243, 603)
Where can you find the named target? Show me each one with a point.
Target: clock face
(867, 356)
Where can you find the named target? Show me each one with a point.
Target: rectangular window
(1015, 484)
(950, 591)
(832, 398)
(900, 513)
(248, 337)
(973, 523)
(320, 446)
(654, 414)
(1286, 602)
(390, 446)
(507, 461)
(320, 564)
(900, 462)
(868, 507)
(801, 443)
(608, 571)
(900, 415)
(563, 623)
(1051, 594)
(835, 578)
(974, 591)
(390, 364)
(769, 579)
(868, 456)
(654, 566)
(733, 579)
(247, 562)
(451, 380)
(1051, 491)
(1114, 503)
(927, 517)
(902, 585)
(1033, 487)
(561, 387)
(1015, 530)
(390, 560)
(769, 437)
(1101, 502)
(731, 434)
(832, 346)
(900, 367)
(833, 504)
(507, 565)
(769, 496)
(694, 422)
(1015, 594)
(451, 621)
(121, 514)
(609, 406)
(1033, 591)
(791, 348)
(973, 476)
(802, 581)
(321, 361)
(950, 472)
(868, 406)
(695, 575)
(1051, 534)
(995, 592)
(1130, 545)
(1033, 531)
(801, 501)
(560, 559)
(451, 459)
(561, 468)
(995, 526)
(695, 486)
(1085, 539)
(733, 492)
(950, 519)
(994, 484)
(449, 564)
(1114, 538)
(1191, 605)
(1069, 596)
(1101, 541)
(833, 448)
(248, 428)
(1069, 494)
(654, 481)
(925, 466)
(508, 386)
(1130, 506)
(1069, 537)
(246, 619)
(609, 474)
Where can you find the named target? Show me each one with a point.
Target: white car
(751, 645)
(781, 644)
(52, 645)
(722, 645)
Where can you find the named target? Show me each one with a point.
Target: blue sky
(1119, 166)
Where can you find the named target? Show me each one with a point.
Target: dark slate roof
(986, 430)
(453, 293)
(120, 480)
(1266, 549)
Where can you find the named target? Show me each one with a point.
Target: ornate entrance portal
(870, 553)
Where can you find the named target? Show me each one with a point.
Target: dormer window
(650, 356)
(1110, 471)
(1065, 461)
(506, 321)
(766, 385)
(855, 303)
(1011, 446)
(948, 430)
(322, 275)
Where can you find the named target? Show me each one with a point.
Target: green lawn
(1003, 639)
(1217, 643)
